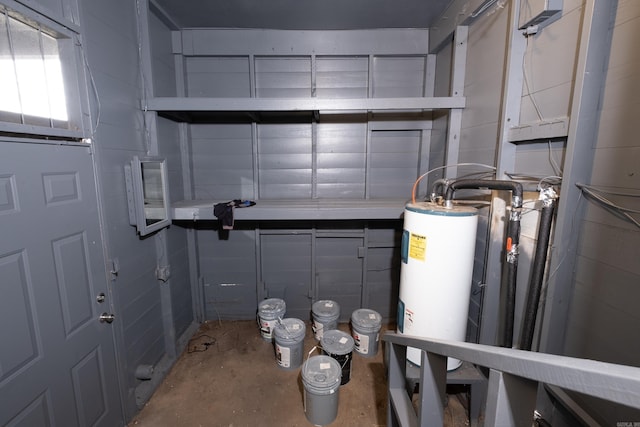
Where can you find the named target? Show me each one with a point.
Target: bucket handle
(319, 347)
(315, 347)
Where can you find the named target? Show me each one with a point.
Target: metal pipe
(512, 249)
(548, 197)
(512, 240)
(439, 188)
(490, 184)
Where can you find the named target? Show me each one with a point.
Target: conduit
(548, 197)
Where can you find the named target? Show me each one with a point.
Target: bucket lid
(326, 308)
(337, 342)
(272, 306)
(290, 329)
(366, 319)
(321, 372)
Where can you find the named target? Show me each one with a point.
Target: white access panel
(534, 12)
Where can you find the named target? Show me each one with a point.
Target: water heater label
(417, 247)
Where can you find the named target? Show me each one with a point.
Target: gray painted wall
(602, 323)
(340, 156)
(109, 46)
(169, 137)
(111, 49)
(600, 320)
(112, 52)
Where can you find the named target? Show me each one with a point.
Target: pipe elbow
(513, 186)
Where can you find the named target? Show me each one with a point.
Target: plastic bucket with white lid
(325, 314)
(269, 311)
(339, 345)
(365, 329)
(289, 343)
(321, 379)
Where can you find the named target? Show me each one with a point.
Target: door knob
(106, 317)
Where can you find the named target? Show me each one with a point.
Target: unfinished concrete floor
(228, 376)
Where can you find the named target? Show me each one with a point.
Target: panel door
(286, 270)
(57, 360)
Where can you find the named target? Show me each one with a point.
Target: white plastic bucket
(365, 330)
(289, 343)
(325, 314)
(269, 311)
(321, 379)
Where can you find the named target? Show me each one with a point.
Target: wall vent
(535, 12)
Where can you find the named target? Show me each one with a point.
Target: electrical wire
(594, 193)
(614, 193)
(483, 8)
(94, 88)
(143, 80)
(551, 179)
(556, 169)
(415, 184)
(526, 83)
(500, 5)
(477, 175)
(620, 210)
(531, 209)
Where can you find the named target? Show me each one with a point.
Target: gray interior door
(286, 270)
(57, 360)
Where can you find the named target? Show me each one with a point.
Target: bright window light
(31, 80)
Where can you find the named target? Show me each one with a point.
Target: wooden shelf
(543, 130)
(302, 104)
(294, 110)
(296, 209)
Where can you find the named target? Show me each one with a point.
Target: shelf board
(329, 105)
(296, 209)
(543, 130)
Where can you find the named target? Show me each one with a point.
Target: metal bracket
(163, 273)
(114, 268)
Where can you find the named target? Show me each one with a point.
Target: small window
(32, 83)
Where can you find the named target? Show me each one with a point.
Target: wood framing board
(296, 209)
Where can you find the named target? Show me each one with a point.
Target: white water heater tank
(438, 247)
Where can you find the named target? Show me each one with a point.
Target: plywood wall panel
(217, 77)
(600, 215)
(164, 75)
(342, 77)
(617, 167)
(283, 77)
(222, 165)
(618, 125)
(599, 240)
(229, 273)
(551, 103)
(326, 159)
(398, 77)
(483, 87)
